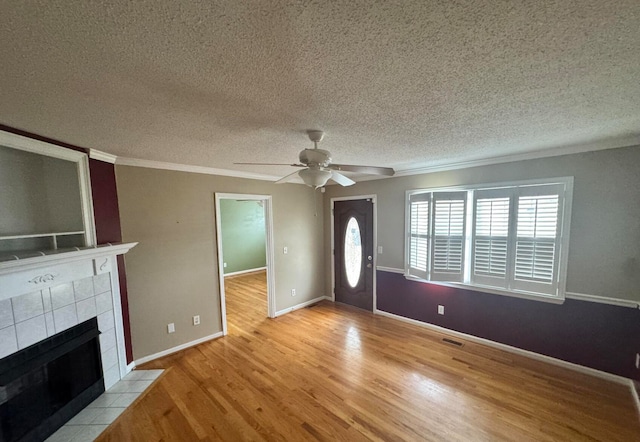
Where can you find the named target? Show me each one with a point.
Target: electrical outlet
(224, 265)
(171, 328)
(441, 309)
(196, 320)
(637, 360)
(293, 292)
(285, 250)
(379, 250)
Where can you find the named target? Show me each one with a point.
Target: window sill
(477, 288)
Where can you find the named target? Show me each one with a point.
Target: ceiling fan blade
(341, 179)
(287, 178)
(271, 164)
(371, 170)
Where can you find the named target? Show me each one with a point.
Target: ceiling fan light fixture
(315, 177)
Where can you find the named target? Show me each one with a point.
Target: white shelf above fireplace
(21, 276)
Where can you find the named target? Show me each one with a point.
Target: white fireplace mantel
(21, 276)
(67, 273)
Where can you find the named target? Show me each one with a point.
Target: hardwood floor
(331, 372)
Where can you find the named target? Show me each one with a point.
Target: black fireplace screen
(44, 385)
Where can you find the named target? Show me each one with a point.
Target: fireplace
(44, 385)
(61, 337)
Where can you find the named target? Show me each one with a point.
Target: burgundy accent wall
(600, 336)
(105, 202)
(107, 219)
(124, 300)
(106, 214)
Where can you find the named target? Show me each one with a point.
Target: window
(352, 252)
(508, 239)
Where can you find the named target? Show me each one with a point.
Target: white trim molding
(27, 144)
(390, 270)
(568, 295)
(269, 244)
(41, 272)
(102, 156)
(302, 305)
(603, 300)
(242, 272)
(100, 251)
(150, 164)
(617, 143)
(177, 348)
(559, 362)
(634, 393)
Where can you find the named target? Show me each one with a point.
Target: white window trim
(564, 239)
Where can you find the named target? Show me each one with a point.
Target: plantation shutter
(418, 238)
(537, 248)
(447, 251)
(490, 237)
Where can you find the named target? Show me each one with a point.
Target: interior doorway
(242, 222)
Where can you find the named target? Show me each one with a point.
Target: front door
(353, 252)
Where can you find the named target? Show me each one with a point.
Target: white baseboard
(301, 305)
(634, 393)
(131, 366)
(177, 348)
(390, 269)
(241, 272)
(559, 362)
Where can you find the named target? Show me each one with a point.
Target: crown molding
(629, 141)
(150, 164)
(102, 156)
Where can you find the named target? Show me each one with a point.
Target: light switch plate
(171, 328)
(441, 309)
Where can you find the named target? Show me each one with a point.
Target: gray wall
(243, 230)
(173, 273)
(604, 248)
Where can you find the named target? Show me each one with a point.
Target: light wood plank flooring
(331, 372)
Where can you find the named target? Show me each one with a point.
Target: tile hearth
(92, 421)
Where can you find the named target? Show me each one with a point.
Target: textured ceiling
(402, 84)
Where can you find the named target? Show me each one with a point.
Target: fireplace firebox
(46, 384)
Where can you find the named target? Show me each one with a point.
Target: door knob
(369, 258)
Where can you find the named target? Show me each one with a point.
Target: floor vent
(452, 342)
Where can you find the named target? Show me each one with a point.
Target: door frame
(268, 221)
(373, 198)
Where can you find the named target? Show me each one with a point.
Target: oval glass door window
(352, 252)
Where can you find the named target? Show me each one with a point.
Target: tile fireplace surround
(44, 295)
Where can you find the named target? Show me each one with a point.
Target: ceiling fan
(318, 168)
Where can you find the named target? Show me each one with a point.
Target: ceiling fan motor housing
(311, 157)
